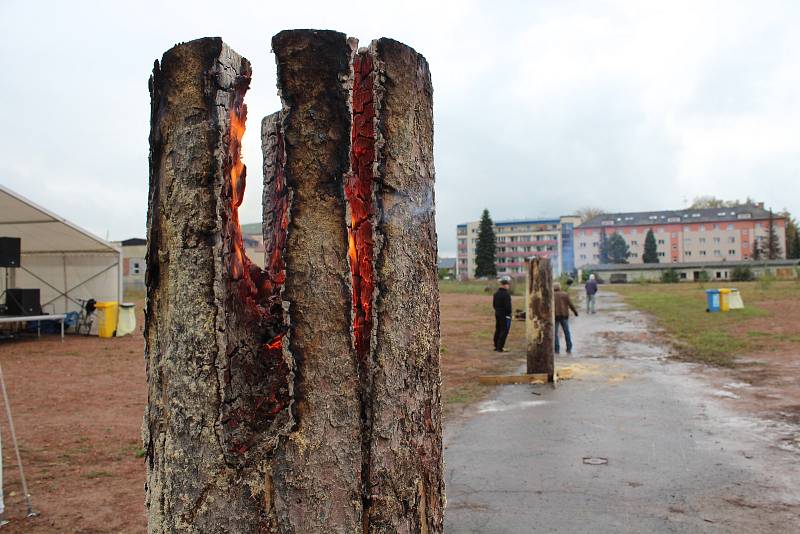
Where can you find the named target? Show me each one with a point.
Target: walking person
(562, 305)
(591, 294)
(502, 315)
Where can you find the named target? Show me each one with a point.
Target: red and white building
(683, 236)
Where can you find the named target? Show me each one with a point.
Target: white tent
(64, 261)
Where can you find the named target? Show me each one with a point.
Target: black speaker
(9, 251)
(23, 302)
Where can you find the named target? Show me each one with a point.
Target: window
(660, 241)
(702, 240)
(683, 276)
(594, 244)
(635, 243)
(687, 240)
(731, 252)
(687, 253)
(583, 244)
(731, 240)
(661, 254)
(702, 252)
(716, 240)
(136, 267)
(583, 256)
(717, 253)
(674, 234)
(730, 227)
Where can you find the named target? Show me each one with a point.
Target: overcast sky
(540, 107)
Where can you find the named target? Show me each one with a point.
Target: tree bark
(303, 397)
(539, 319)
(316, 475)
(405, 485)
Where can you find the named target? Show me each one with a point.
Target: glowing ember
(259, 291)
(360, 198)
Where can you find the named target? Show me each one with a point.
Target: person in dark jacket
(502, 315)
(591, 292)
(562, 305)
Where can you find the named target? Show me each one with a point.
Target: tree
(650, 248)
(670, 276)
(603, 247)
(792, 237)
(485, 248)
(772, 247)
(708, 201)
(617, 249)
(589, 212)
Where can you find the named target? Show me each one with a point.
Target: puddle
(498, 406)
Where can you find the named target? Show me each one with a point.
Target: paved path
(677, 462)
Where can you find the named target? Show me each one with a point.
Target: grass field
(769, 318)
(479, 287)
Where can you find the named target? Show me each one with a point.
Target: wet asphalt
(633, 443)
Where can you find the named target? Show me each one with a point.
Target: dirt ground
(763, 380)
(766, 379)
(78, 409)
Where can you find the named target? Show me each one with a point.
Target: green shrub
(742, 273)
(670, 276)
(766, 279)
(704, 277)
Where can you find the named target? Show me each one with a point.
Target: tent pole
(31, 513)
(66, 299)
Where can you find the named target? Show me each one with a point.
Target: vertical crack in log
(360, 194)
(257, 381)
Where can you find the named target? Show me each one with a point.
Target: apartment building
(516, 242)
(693, 235)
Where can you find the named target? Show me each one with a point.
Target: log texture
(539, 319)
(304, 397)
(316, 477)
(218, 404)
(405, 485)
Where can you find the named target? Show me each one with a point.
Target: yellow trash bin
(107, 323)
(724, 299)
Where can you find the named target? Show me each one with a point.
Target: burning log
(220, 387)
(303, 397)
(539, 322)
